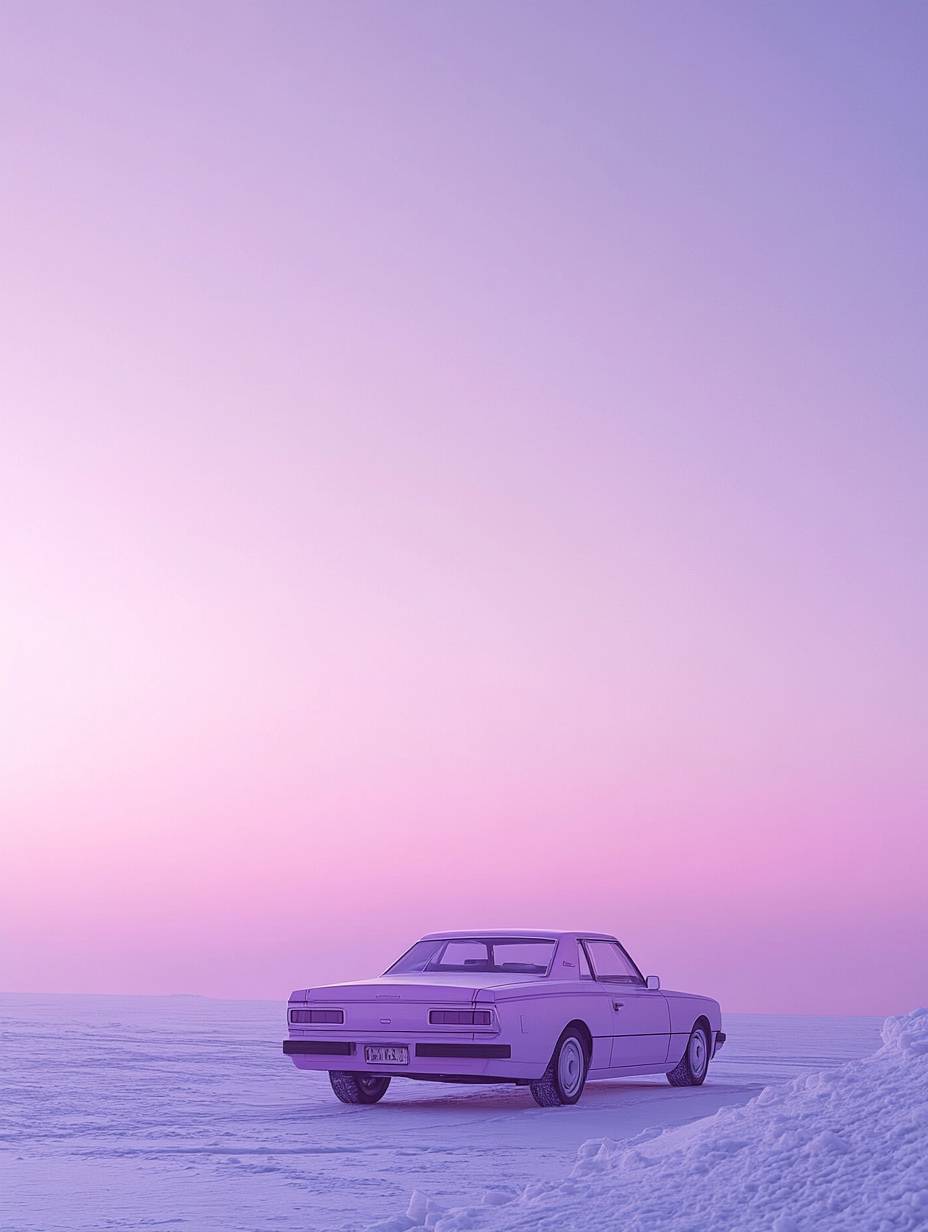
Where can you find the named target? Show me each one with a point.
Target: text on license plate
(386, 1054)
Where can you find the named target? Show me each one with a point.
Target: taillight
(460, 1018)
(317, 1015)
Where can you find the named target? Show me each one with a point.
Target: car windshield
(517, 955)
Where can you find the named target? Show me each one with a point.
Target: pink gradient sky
(464, 466)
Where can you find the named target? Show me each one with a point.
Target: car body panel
(686, 1009)
(641, 1029)
(630, 1028)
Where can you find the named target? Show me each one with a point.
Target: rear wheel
(358, 1088)
(563, 1080)
(694, 1064)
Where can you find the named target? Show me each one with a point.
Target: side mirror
(653, 981)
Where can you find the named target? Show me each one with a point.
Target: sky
(464, 466)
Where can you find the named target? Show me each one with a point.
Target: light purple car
(542, 1009)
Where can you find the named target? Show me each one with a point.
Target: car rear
(440, 1031)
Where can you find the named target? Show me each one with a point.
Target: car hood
(436, 986)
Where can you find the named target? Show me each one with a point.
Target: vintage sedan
(544, 1009)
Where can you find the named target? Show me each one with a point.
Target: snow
(181, 1113)
(844, 1149)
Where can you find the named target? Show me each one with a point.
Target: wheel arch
(547, 1091)
(585, 1031)
(681, 1035)
(703, 1021)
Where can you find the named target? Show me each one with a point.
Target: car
(549, 1010)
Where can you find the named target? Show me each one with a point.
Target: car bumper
(436, 1059)
(298, 1047)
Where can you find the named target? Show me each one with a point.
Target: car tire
(694, 1064)
(358, 1088)
(563, 1080)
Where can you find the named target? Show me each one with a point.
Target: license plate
(386, 1054)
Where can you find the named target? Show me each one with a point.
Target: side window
(610, 963)
(585, 972)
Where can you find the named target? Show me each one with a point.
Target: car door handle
(617, 1005)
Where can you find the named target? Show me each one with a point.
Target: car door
(640, 1015)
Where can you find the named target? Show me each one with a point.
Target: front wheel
(358, 1088)
(563, 1080)
(694, 1064)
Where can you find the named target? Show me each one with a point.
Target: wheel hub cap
(570, 1067)
(698, 1053)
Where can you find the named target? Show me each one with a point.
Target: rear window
(517, 955)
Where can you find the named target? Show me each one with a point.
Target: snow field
(180, 1114)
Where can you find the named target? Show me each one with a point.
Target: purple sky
(464, 466)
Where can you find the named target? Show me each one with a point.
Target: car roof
(552, 934)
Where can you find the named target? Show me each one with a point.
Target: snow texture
(843, 1149)
(181, 1114)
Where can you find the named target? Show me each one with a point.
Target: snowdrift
(845, 1150)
